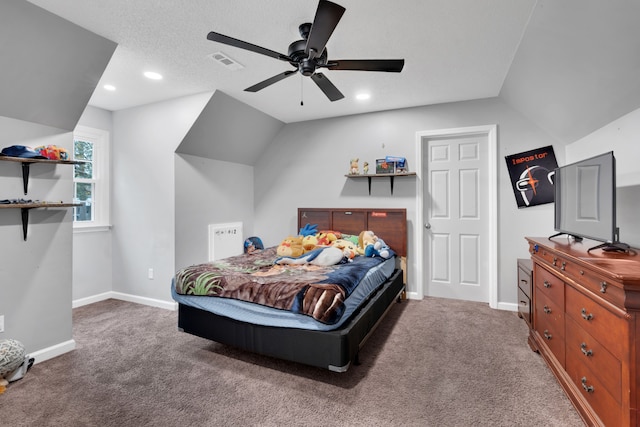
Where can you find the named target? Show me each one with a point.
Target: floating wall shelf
(26, 163)
(391, 176)
(26, 207)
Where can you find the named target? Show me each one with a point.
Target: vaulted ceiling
(569, 66)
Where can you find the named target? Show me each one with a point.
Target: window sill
(91, 228)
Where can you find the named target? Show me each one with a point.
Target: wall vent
(224, 59)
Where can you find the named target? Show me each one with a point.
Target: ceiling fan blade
(327, 87)
(270, 81)
(388, 65)
(327, 17)
(221, 38)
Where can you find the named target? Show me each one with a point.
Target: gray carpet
(435, 362)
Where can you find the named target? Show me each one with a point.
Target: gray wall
(208, 192)
(92, 254)
(41, 108)
(35, 275)
(306, 163)
(143, 206)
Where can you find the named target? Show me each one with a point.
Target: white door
(456, 220)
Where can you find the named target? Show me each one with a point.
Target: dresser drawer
(549, 323)
(609, 411)
(549, 284)
(602, 287)
(585, 350)
(609, 329)
(524, 306)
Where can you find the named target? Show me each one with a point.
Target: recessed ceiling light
(109, 87)
(153, 75)
(363, 96)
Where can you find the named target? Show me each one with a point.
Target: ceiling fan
(309, 54)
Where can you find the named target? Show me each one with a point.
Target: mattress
(267, 316)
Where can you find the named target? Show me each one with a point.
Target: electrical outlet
(2, 323)
(150, 274)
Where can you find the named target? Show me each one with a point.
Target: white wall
(143, 204)
(621, 136)
(306, 163)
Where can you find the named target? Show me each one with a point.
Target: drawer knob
(547, 335)
(603, 287)
(588, 389)
(547, 284)
(555, 260)
(583, 348)
(586, 316)
(564, 264)
(546, 309)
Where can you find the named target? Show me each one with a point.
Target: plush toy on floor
(13, 362)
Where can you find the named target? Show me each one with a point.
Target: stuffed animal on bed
(290, 247)
(309, 242)
(327, 237)
(372, 245)
(348, 248)
(379, 248)
(320, 256)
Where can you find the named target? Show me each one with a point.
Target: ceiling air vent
(226, 61)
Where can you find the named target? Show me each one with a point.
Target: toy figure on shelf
(365, 168)
(354, 168)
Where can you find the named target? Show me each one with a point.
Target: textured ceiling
(454, 50)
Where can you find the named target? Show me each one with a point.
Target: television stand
(612, 247)
(575, 238)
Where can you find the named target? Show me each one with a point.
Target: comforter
(317, 291)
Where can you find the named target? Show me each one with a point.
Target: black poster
(531, 176)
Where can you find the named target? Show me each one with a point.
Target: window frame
(101, 179)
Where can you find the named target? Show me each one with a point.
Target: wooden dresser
(586, 325)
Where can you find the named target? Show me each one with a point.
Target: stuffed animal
(290, 247)
(353, 168)
(309, 242)
(320, 256)
(366, 238)
(326, 238)
(372, 245)
(308, 230)
(379, 248)
(348, 248)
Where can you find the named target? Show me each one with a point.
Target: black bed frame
(334, 350)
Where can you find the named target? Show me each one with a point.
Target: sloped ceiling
(230, 130)
(570, 66)
(577, 67)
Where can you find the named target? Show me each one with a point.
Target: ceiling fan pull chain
(301, 92)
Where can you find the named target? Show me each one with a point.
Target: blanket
(316, 291)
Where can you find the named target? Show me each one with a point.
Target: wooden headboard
(388, 224)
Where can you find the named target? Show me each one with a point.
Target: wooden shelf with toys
(390, 167)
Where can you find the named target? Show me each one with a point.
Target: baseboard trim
(53, 351)
(92, 299)
(167, 305)
(507, 306)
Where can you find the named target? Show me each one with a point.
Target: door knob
(427, 226)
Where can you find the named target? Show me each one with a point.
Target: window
(91, 178)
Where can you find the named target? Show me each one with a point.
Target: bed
(331, 344)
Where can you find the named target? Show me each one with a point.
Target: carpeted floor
(435, 362)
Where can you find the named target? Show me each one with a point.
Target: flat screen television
(585, 201)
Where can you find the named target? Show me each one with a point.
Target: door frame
(490, 135)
